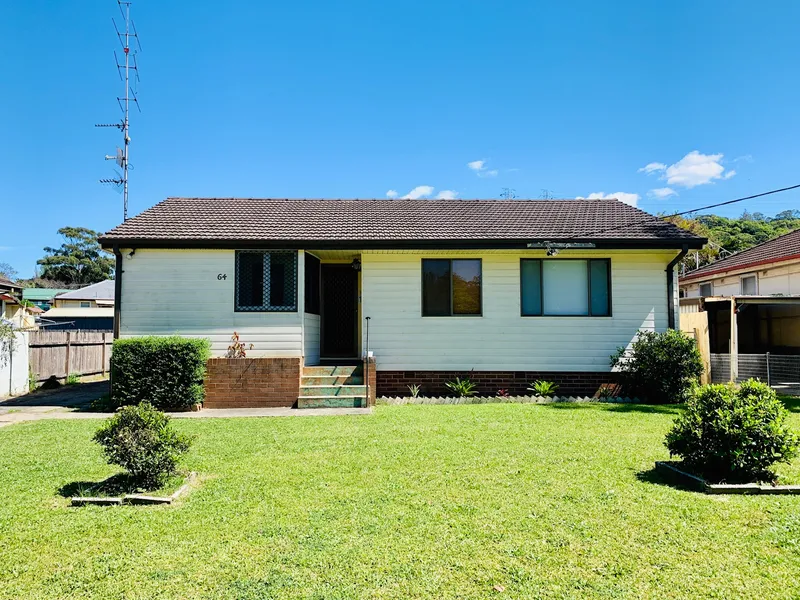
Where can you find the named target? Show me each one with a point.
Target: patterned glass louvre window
(266, 280)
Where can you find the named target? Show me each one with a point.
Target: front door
(339, 311)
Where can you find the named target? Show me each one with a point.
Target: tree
(8, 272)
(79, 260)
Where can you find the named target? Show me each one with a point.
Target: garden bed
(675, 471)
(394, 401)
(111, 491)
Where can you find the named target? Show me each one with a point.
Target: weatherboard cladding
(785, 247)
(247, 220)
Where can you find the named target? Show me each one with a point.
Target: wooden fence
(696, 325)
(60, 353)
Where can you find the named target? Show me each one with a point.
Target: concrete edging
(134, 498)
(701, 485)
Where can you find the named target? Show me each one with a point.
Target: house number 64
(221, 276)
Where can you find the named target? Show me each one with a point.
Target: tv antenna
(124, 71)
(508, 193)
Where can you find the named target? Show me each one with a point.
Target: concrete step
(331, 402)
(326, 370)
(332, 390)
(332, 380)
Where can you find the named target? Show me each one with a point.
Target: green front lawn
(511, 501)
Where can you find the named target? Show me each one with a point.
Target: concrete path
(73, 402)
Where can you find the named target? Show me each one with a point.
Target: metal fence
(782, 372)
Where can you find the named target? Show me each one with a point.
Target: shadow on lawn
(654, 477)
(792, 403)
(667, 409)
(116, 485)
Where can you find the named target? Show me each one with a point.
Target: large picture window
(565, 287)
(266, 280)
(451, 287)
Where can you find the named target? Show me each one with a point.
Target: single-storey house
(42, 297)
(502, 291)
(89, 307)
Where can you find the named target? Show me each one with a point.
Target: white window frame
(741, 284)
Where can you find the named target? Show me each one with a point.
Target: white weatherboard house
(504, 291)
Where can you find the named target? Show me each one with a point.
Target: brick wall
(370, 380)
(252, 382)
(395, 383)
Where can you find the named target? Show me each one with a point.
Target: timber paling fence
(59, 353)
(782, 372)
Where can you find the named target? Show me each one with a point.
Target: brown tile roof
(7, 284)
(785, 247)
(386, 223)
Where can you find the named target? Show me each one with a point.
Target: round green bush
(733, 435)
(141, 440)
(660, 367)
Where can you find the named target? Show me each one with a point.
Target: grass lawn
(542, 501)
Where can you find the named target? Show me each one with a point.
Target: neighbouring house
(90, 307)
(42, 297)
(13, 309)
(751, 302)
(502, 291)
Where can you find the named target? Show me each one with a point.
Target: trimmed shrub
(733, 435)
(660, 367)
(141, 440)
(165, 371)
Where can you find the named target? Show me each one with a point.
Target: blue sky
(356, 99)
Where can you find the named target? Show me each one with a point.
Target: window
(706, 289)
(312, 284)
(266, 281)
(86, 304)
(451, 287)
(749, 286)
(565, 287)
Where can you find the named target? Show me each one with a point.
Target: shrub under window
(166, 371)
(565, 287)
(661, 367)
(266, 280)
(451, 287)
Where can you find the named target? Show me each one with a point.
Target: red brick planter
(252, 382)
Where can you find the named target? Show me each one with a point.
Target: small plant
(543, 388)
(503, 393)
(662, 367)
(31, 380)
(73, 379)
(463, 388)
(415, 390)
(237, 349)
(733, 434)
(141, 440)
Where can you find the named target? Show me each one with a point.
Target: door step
(332, 386)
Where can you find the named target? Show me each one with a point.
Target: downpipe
(671, 285)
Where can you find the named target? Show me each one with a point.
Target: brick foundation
(395, 383)
(252, 382)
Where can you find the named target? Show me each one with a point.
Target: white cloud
(479, 166)
(625, 197)
(421, 191)
(391, 194)
(447, 195)
(652, 168)
(662, 193)
(692, 170)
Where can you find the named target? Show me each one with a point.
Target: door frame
(322, 310)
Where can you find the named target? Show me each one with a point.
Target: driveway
(73, 402)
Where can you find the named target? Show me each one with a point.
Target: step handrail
(366, 361)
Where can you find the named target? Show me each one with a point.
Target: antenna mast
(121, 157)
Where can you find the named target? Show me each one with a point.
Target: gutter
(117, 290)
(671, 285)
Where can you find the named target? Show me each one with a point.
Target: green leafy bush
(73, 379)
(543, 388)
(141, 440)
(463, 388)
(733, 435)
(660, 367)
(165, 371)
